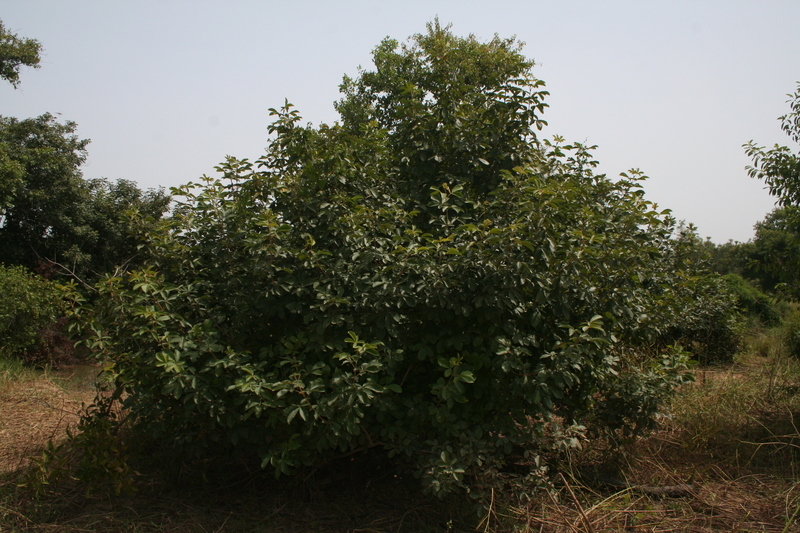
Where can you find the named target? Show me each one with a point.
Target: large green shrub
(425, 277)
(752, 301)
(29, 305)
(708, 323)
(695, 307)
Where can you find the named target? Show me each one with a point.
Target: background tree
(732, 257)
(41, 215)
(775, 252)
(51, 217)
(703, 313)
(50, 213)
(111, 210)
(16, 52)
(776, 241)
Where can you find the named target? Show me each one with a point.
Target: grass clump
(744, 413)
(13, 369)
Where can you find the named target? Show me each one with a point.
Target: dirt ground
(32, 412)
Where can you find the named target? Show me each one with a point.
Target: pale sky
(166, 89)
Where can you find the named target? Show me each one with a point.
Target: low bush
(30, 311)
(753, 302)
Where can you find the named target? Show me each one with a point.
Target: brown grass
(716, 502)
(35, 411)
(731, 436)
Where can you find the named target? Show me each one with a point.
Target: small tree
(426, 277)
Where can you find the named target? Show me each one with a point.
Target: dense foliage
(753, 302)
(775, 251)
(49, 213)
(425, 276)
(29, 305)
(770, 259)
(702, 312)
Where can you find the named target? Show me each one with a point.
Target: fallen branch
(681, 490)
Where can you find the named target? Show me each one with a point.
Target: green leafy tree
(732, 257)
(28, 305)
(50, 213)
(425, 277)
(695, 307)
(779, 167)
(41, 215)
(776, 238)
(455, 110)
(16, 52)
(775, 251)
(109, 213)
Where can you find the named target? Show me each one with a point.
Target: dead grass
(731, 437)
(35, 410)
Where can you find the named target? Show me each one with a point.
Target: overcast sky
(166, 89)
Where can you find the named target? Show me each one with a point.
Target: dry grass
(715, 502)
(38, 408)
(731, 437)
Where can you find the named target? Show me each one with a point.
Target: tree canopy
(42, 188)
(455, 109)
(779, 167)
(49, 213)
(16, 52)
